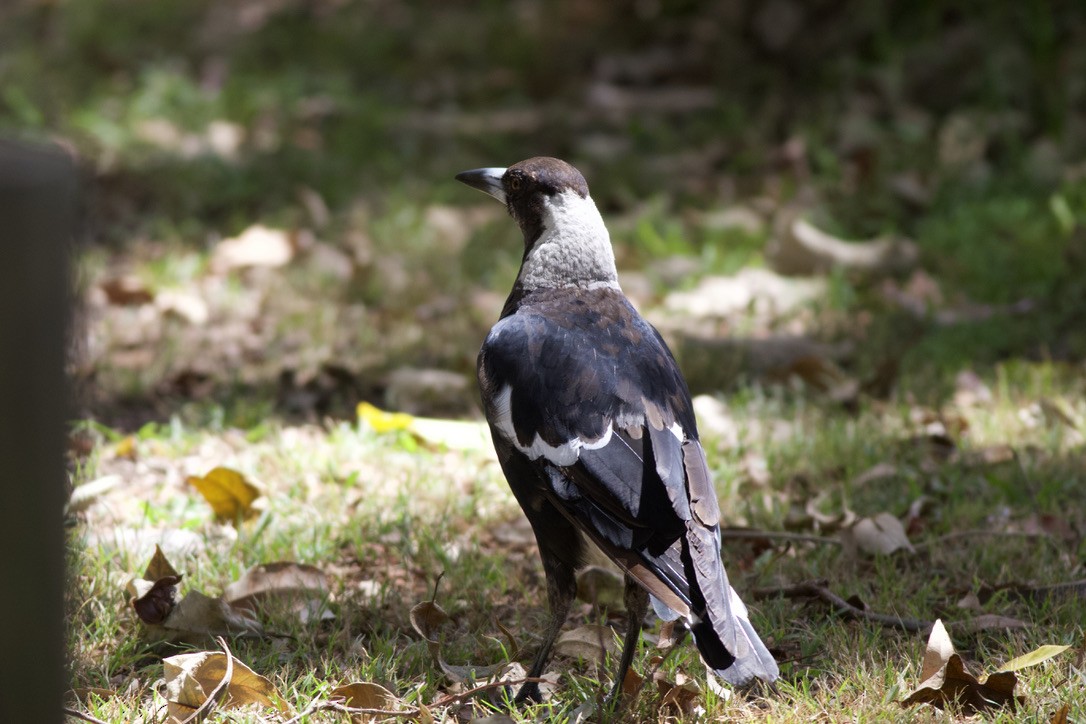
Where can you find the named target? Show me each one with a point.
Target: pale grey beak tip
(487, 180)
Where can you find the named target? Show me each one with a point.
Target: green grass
(362, 507)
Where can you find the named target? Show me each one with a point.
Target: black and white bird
(595, 432)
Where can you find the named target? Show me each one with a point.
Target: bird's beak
(487, 180)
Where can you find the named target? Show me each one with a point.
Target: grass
(364, 508)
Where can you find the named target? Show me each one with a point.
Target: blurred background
(863, 200)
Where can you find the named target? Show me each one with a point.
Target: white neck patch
(574, 248)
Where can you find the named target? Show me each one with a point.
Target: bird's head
(565, 240)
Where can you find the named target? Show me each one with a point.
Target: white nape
(574, 248)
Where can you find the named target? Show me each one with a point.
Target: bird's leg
(561, 589)
(637, 603)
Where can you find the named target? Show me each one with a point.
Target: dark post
(37, 208)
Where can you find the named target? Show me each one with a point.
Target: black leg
(637, 604)
(561, 589)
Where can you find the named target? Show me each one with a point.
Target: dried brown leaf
(283, 579)
(590, 642)
(191, 678)
(198, 615)
(881, 534)
(126, 291)
(367, 695)
(944, 680)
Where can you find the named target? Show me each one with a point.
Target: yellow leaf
(228, 492)
(382, 421)
(1034, 657)
(126, 448)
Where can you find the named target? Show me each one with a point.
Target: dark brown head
(565, 241)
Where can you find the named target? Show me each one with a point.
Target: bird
(595, 432)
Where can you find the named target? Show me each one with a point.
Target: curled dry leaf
(198, 615)
(303, 587)
(155, 595)
(191, 678)
(154, 602)
(591, 642)
(881, 534)
(85, 495)
(228, 493)
(944, 680)
(428, 618)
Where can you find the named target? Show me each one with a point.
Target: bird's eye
(514, 183)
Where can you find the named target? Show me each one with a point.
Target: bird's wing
(598, 404)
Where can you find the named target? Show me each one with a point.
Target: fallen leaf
(228, 492)
(159, 566)
(154, 601)
(944, 680)
(191, 678)
(276, 580)
(882, 534)
(800, 248)
(1060, 717)
(126, 291)
(85, 495)
(1037, 656)
(257, 246)
(590, 642)
(428, 618)
(380, 421)
(367, 695)
(155, 595)
(198, 615)
(452, 434)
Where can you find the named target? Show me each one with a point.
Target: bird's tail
(718, 618)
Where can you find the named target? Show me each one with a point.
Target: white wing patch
(564, 454)
(677, 430)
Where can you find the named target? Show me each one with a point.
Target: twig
(981, 533)
(407, 713)
(818, 589)
(752, 534)
(84, 717)
(220, 689)
(470, 693)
